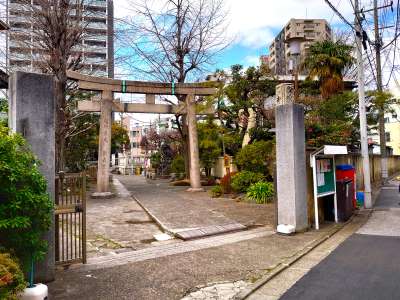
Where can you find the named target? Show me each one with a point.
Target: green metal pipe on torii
(107, 105)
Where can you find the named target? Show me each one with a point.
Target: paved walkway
(365, 266)
(192, 215)
(118, 225)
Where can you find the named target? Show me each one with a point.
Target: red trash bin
(347, 172)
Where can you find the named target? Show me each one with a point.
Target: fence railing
(70, 218)
(91, 172)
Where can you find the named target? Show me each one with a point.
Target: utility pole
(362, 111)
(381, 113)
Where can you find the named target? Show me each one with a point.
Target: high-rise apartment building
(3, 74)
(311, 29)
(97, 48)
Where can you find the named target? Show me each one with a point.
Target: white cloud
(252, 60)
(255, 38)
(252, 22)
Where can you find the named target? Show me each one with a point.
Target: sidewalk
(192, 215)
(365, 266)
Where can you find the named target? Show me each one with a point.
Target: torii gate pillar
(103, 181)
(193, 146)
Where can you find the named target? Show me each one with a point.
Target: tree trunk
(251, 123)
(60, 122)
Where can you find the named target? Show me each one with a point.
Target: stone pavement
(221, 290)
(168, 249)
(118, 225)
(192, 215)
(209, 268)
(365, 266)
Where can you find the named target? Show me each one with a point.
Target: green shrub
(257, 157)
(216, 191)
(260, 192)
(210, 147)
(242, 180)
(155, 160)
(25, 207)
(11, 277)
(3, 112)
(178, 165)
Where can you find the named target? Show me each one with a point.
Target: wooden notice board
(325, 175)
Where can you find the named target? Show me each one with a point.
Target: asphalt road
(363, 267)
(366, 266)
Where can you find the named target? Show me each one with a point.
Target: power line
(339, 14)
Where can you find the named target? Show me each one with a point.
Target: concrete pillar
(291, 166)
(32, 114)
(193, 145)
(103, 182)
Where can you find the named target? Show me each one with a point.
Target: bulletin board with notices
(325, 175)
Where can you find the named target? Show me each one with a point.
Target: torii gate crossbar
(107, 87)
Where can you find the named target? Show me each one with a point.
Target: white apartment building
(311, 29)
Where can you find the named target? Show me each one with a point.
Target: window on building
(134, 145)
(394, 115)
(387, 120)
(387, 136)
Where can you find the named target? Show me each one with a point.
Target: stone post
(32, 114)
(193, 145)
(291, 166)
(103, 182)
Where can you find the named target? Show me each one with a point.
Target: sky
(254, 23)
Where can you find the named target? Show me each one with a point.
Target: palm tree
(327, 60)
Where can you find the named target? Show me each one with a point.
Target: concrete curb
(286, 264)
(154, 218)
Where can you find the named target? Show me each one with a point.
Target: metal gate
(70, 219)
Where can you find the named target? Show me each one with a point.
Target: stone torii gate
(107, 105)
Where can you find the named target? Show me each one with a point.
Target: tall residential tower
(97, 47)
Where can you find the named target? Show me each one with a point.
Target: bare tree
(174, 41)
(54, 40)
